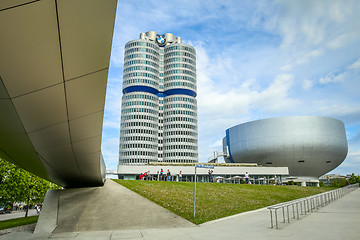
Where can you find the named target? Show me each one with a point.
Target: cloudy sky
(255, 60)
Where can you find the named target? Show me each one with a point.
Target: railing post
(283, 214)
(297, 210)
(288, 214)
(293, 210)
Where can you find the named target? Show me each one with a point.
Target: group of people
(211, 178)
(145, 176)
(161, 176)
(20, 207)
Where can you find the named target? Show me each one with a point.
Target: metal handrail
(306, 205)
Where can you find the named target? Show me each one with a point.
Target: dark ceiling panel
(43, 108)
(86, 95)
(86, 28)
(30, 53)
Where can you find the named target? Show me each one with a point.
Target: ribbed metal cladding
(159, 108)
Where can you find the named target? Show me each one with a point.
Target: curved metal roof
(54, 60)
(309, 146)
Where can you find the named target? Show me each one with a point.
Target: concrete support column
(49, 213)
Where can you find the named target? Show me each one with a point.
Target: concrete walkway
(338, 220)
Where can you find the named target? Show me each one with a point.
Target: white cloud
(339, 76)
(355, 65)
(332, 107)
(332, 78)
(341, 40)
(286, 67)
(307, 84)
(276, 97)
(308, 56)
(309, 22)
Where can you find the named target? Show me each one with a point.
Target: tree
(18, 185)
(338, 182)
(354, 179)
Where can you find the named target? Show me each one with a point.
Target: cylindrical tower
(180, 107)
(140, 104)
(159, 109)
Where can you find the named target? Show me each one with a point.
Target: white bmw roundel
(160, 39)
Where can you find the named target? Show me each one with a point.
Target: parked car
(4, 209)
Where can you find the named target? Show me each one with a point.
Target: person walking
(180, 176)
(38, 209)
(161, 174)
(168, 174)
(145, 175)
(247, 178)
(211, 179)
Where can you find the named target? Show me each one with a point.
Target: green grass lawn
(18, 222)
(215, 200)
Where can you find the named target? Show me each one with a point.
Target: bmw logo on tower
(161, 40)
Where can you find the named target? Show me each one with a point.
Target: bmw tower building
(159, 108)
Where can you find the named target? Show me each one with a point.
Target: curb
(23, 228)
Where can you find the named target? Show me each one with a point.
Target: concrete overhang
(54, 60)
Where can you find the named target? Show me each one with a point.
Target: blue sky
(255, 60)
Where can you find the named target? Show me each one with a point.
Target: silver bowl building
(309, 146)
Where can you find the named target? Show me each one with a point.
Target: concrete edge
(47, 221)
(23, 228)
(232, 216)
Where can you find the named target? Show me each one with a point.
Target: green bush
(354, 179)
(338, 182)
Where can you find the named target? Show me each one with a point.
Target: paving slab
(126, 234)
